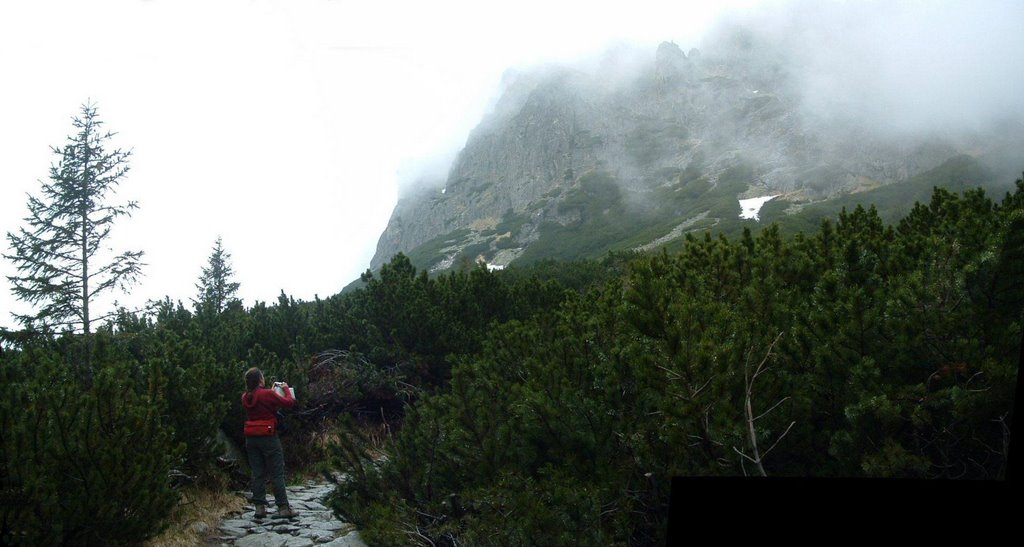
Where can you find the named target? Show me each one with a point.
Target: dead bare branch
(673, 375)
(765, 413)
(746, 457)
(415, 531)
(694, 394)
(760, 367)
(749, 409)
(784, 433)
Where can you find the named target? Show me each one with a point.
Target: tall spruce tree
(60, 266)
(216, 290)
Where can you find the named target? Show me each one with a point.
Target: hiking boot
(285, 512)
(261, 512)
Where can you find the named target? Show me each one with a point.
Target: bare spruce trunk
(753, 434)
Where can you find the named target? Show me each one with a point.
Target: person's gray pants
(266, 457)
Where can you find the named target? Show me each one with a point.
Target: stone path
(315, 524)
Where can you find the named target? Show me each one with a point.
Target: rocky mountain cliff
(576, 162)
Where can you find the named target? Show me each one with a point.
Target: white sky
(284, 127)
(287, 127)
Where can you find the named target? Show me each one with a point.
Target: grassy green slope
(892, 201)
(607, 222)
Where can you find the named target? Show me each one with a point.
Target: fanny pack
(260, 428)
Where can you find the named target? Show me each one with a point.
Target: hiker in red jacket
(262, 443)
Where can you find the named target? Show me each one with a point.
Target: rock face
(675, 119)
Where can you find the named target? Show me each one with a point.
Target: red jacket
(264, 403)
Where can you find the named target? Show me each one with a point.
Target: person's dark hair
(252, 381)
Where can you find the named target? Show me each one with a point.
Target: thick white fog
(901, 66)
(289, 128)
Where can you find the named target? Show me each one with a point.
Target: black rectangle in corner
(759, 504)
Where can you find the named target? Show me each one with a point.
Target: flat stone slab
(351, 539)
(327, 525)
(270, 539)
(316, 516)
(318, 536)
(238, 523)
(234, 531)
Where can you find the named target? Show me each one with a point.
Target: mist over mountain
(634, 148)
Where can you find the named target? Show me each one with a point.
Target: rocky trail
(314, 525)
